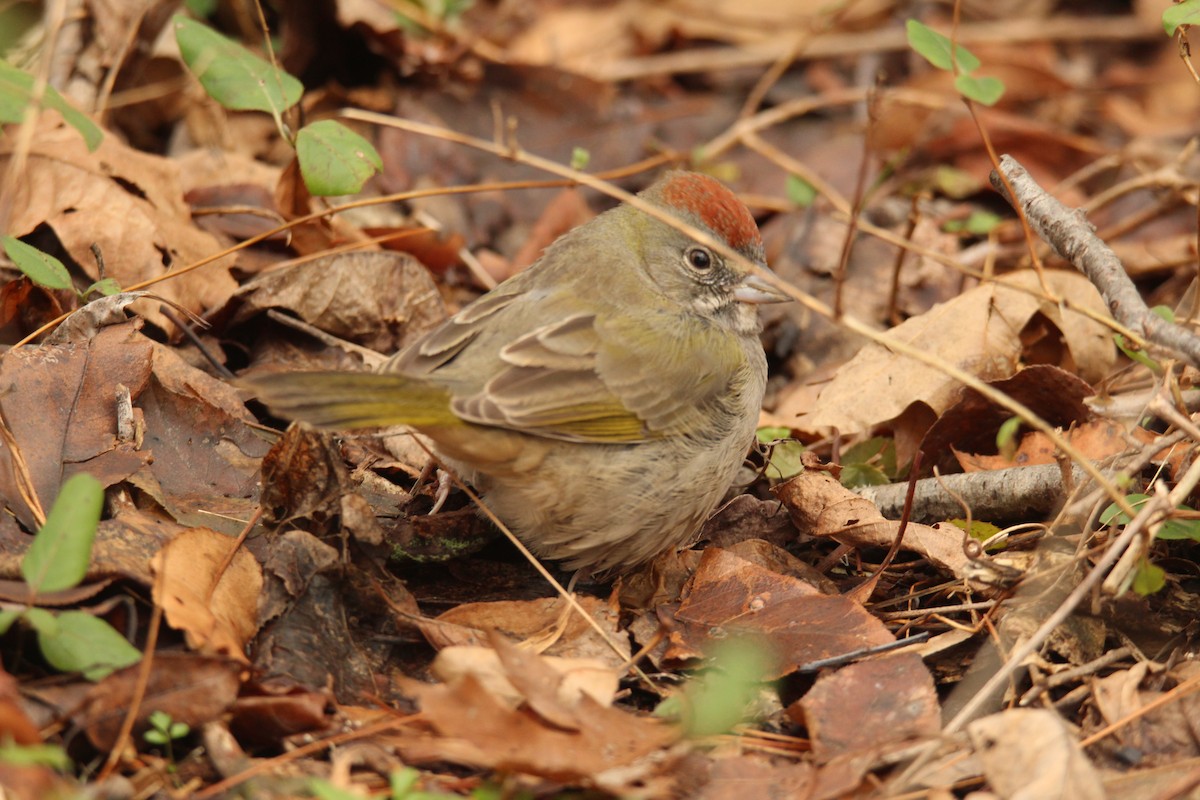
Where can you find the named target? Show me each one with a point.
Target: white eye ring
(699, 258)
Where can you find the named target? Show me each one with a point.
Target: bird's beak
(755, 290)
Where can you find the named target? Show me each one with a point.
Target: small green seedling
(47, 271)
(936, 49)
(70, 641)
(164, 732)
(334, 160)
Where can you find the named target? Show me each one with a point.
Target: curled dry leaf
(1030, 752)
(478, 730)
(820, 506)
(517, 675)
(59, 403)
(533, 620)
(127, 203)
(215, 620)
(982, 331)
(381, 300)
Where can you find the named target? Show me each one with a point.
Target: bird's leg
(444, 482)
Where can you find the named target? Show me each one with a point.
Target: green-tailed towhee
(603, 399)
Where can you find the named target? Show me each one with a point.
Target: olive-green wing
(580, 379)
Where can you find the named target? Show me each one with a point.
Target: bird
(603, 399)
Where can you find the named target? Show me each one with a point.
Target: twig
(1073, 238)
(1057, 28)
(994, 494)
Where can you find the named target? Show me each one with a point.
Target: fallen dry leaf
(217, 612)
(820, 506)
(870, 705)
(60, 404)
(567, 680)
(606, 739)
(1028, 753)
(979, 332)
(728, 597)
(380, 300)
(193, 689)
(127, 203)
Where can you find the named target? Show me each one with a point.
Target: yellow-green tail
(349, 400)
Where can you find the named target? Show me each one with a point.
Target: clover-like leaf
(1185, 13)
(335, 160)
(935, 48)
(59, 555)
(16, 95)
(231, 74)
(41, 268)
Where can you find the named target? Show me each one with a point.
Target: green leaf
(982, 89)
(87, 645)
(718, 700)
(1113, 515)
(1185, 13)
(402, 781)
(799, 191)
(936, 48)
(956, 183)
(1148, 578)
(7, 617)
(869, 463)
(580, 158)
(41, 268)
(105, 286)
(1171, 529)
(979, 531)
(1176, 529)
(16, 95)
(335, 160)
(324, 790)
(232, 75)
(785, 453)
(977, 223)
(1006, 437)
(1137, 355)
(41, 620)
(34, 755)
(59, 556)
(1165, 312)
(856, 475)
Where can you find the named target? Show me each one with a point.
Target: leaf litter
(379, 638)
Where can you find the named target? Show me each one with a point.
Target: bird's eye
(699, 258)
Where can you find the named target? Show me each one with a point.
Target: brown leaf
(206, 452)
(746, 776)
(1030, 752)
(980, 332)
(215, 620)
(820, 506)
(265, 713)
(520, 741)
(381, 300)
(869, 705)
(728, 597)
(193, 689)
(60, 403)
(551, 685)
(127, 203)
(971, 424)
(524, 619)
(302, 475)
